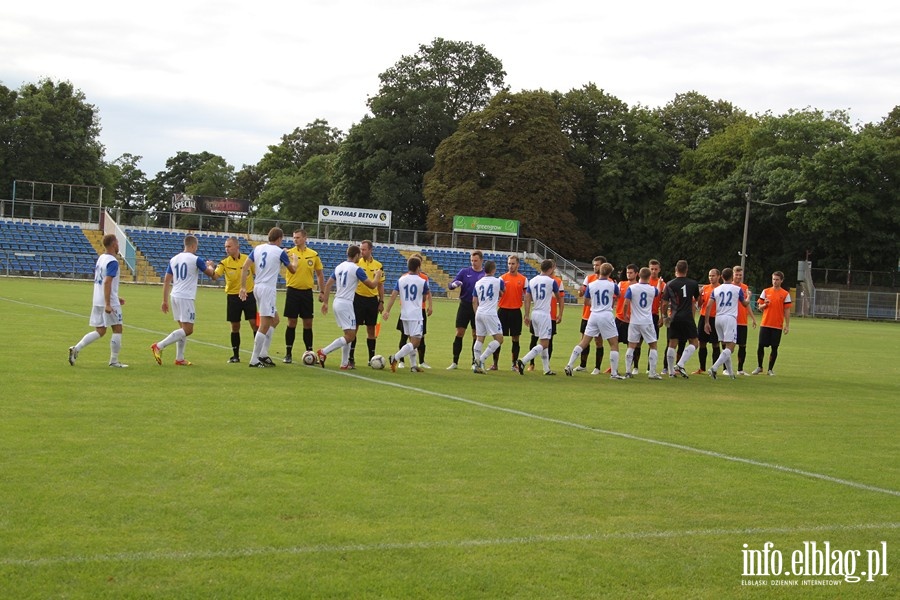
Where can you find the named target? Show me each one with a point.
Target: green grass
(224, 482)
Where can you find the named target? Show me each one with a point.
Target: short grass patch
(222, 481)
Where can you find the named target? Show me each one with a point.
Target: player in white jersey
(182, 276)
(344, 280)
(538, 293)
(106, 307)
(412, 291)
(268, 259)
(639, 298)
(485, 297)
(600, 295)
(726, 298)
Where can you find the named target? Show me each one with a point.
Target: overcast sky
(233, 77)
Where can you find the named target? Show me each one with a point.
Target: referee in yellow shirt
(299, 302)
(230, 267)
(367, 303)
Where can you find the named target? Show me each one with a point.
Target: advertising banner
(354, 216)
(209, 205)
(463, 224)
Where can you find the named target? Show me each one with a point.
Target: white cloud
(232, 77)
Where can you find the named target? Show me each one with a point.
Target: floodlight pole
(746, 227)
(749, 199)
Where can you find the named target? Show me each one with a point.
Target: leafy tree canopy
(509, 161)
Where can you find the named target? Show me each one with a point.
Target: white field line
(636, 438)
(137, 557)
(144, 556)
(520, 413)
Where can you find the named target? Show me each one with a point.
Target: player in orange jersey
(775, 303)
(509, 309)
(623, 315)
(707, 338)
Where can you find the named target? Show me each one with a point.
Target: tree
(509, 161)
(130, 187)
(691, 118)
(461, 77)
(384, 159)
(214, 177)
(852, 216)
(297, 147)
(283, 173)
(175, 179)
(50, 133)
(623, 155)
(295, 195)
(7, 129)
(764, 157)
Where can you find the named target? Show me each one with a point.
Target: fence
(850, 304)
(854, 278)
(46, 264)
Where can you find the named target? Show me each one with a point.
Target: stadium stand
(45, 250)
(452, 261)
(159, 246)
(58, 250)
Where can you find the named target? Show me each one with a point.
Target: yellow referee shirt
(369, 266)
(308, 262)
(231, 269)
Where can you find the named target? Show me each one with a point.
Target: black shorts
(584, 323)
(299, 303)
(622, 328)
(237, 307)
(741, 335)
(510, 321)
(465, 315)
(366, 310)
(424, 323)
(682, 330)
(711, 337)
(769, 336)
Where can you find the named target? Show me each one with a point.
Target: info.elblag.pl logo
(812, 563)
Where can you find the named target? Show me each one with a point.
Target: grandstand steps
(145, 272)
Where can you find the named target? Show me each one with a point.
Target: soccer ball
(377, 362)
(310, 358)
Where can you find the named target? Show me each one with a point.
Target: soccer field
(220, 481)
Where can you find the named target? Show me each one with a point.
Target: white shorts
(601, 324)
(542, 325)
(726, 329)
(487, 324)
(100, 318)
(182, 310)
(344, 314)
(637, 332)
(266, 297)
(413, 328)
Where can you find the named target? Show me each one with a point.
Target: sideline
(134, 557)
(571, 424)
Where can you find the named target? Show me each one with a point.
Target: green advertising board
(463, 224)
